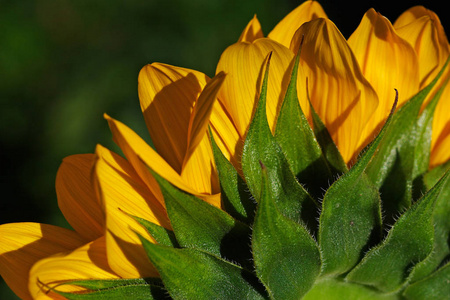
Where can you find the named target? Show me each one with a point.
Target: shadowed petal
(86, 262)
(387, 61)
(76, 196)
(242, 63)
(167, 95)
(23, 244)
(286, 28)
(341, 95)
(122, 191)
(252, 31)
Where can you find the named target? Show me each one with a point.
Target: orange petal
(242, 62)
(84, 263)
(286, 28)
(76, 196)
(440, 140)
(252, 31)
(167, 95)
(387, 61)
(341, 95)
(23, 244)
(122, 191)
(423, 30)
(141, 156)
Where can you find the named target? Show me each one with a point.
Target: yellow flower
(349, 82)
(97, 193)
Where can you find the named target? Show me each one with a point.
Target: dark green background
(64, 63)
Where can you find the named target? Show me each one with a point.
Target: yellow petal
(242, 62)
(286, 28)
(122, 191)
(76, 196)
(340, 94)
(23, 244)
(440, 140)
(226, 135)
(387, 61)
(84, 263)
(199, 120)
(252, 31)
(141, 156)
(198, 167)
(423, 30)
(167, 95)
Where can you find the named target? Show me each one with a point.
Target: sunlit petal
(341, 95)
(86, 262)
(198, 123)
(252, 31)
(123, 192)
(242, 62)
(141, 156)
(423, 30)
(23, 244)
(387, 61)
(440, 141)
(225, 134)
(76, 196)
(286, 28)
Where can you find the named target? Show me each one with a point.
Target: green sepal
(236, 199)
(330, 151)
(140, 288)
(435, 286)
(441, 221)
(161, 235)
(351, 214)
(286, 257)
(393, 165)
(260, 146)
(336, 289)
(194, 274)
(422, 151)
(200, 225)
(409, 241)
(297, 140)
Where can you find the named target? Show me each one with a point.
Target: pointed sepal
(194, 274)
(391, 170)
(297, 140)
(200, 225)
(408, 242)
(261, 146)
(236, 199)
(140, 288)
(351, 214)
(286, 256)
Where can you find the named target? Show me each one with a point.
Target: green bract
(300, 224)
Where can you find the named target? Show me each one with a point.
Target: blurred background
(64, 63)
